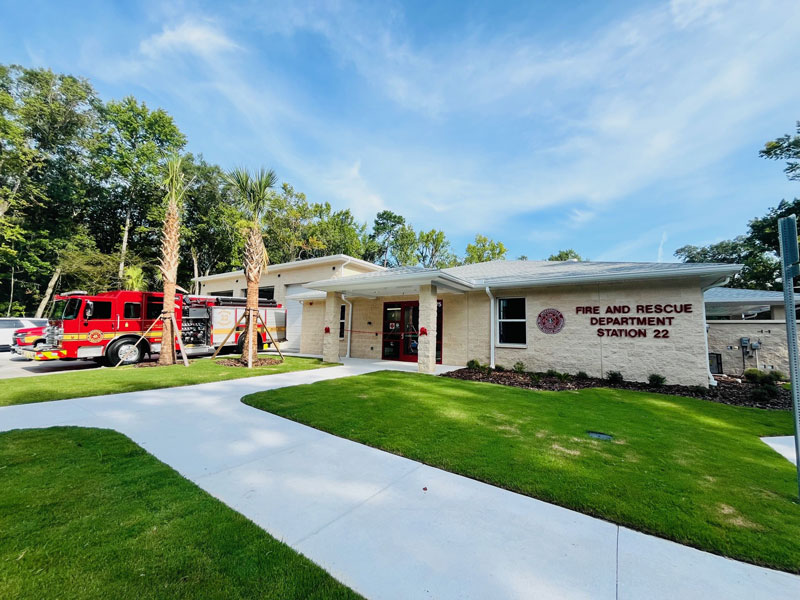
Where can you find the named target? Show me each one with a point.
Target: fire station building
(636, 318)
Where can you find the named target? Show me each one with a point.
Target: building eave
(297, 264)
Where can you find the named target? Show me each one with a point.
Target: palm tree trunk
(170, 248)
(48, 293)
(253, 259)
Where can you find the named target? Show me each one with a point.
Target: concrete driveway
(13, 365)
(390, 527)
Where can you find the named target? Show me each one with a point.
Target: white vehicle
(9, 325)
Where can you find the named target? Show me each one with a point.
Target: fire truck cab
(125, 325)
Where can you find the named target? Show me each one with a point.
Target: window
(132, 310)
(101, 310)
(266, 293)
(10, 324)
(342, 312)
(154, 308)
(511, 323)
(227, 293)
(715, 363)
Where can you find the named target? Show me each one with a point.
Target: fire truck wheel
(125, 350)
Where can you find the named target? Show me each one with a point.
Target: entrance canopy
(402, 281)
(732, 302)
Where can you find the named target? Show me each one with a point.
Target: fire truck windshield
(66, 309)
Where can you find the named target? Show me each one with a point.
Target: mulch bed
(727, 391)
(257, 362)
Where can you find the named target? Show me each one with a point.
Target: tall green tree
(44, 120)
(212, 241)
(128, 159)
(433, 250)
(761, 269)
(386, 229)
(484, 249)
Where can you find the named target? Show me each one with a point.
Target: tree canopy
(563, 255)
(758, 249)
(82, 202)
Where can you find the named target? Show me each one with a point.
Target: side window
(10, 324)
(342, 312)
(101, 310)
(132, 310)
(154, 308)
(511, 321)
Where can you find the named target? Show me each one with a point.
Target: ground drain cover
(600, 436)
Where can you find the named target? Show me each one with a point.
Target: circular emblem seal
(95, 336)
(550, 320)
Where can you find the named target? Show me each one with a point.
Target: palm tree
(252, 193)
(170, 248)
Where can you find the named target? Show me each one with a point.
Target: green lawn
(97, 382)
(86, 513)
(681, 468)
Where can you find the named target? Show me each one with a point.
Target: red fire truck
(106, 327)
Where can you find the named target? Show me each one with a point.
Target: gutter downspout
(711, 381)
(491, 327)
(350, 310)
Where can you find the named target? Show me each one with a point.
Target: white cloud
(194, 37)
(663, 241)
(648, 99)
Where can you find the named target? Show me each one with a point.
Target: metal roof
(738, 296)
(519, 273)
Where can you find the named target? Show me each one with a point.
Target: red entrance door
(401, 331)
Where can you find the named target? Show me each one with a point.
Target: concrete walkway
(783, 445)
(391, 527)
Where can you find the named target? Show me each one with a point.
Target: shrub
(754, 375)
(551, 373)
(563, 376)
(615, 377)
(474, 364)
(656, 380)
(759, 377)
(764, 393)
(777, 376)
(581, 376)
(699, 390)
(519, 367)
(536, 378)
(499, 368)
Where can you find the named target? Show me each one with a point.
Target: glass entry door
(401, 331)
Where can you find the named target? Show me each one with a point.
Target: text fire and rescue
(633, 326)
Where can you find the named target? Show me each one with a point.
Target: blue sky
(621, 129)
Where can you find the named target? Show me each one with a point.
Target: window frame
(498, 320)
(125, 306)
(102, 316)
(342, 321)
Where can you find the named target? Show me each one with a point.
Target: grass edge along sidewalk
(87, 513)
(99, 382)
(684, 469)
